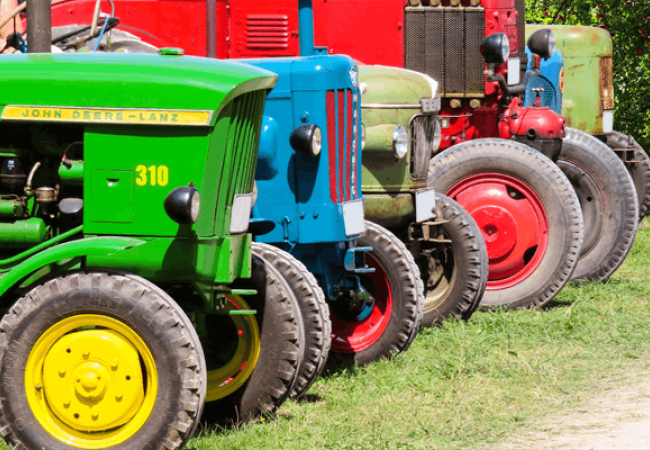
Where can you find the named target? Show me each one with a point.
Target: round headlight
(182, 204)
(400, 142)
(542, 42)
(307, 139)
(496, 48)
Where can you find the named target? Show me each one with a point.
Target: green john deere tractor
(123, 258)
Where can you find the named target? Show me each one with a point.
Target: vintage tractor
(124, 262)
(310, 204)
(586, 99)
(475, 49)
(455, 274)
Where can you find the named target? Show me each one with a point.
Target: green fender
(69, 250)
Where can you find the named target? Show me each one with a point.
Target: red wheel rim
(353, 337)
(513, 221)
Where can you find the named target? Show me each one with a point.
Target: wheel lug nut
(85, 353)
(115, 364)
(94, 414)
(66, 402)
(39, 387)
(62, 373)
(119, 395)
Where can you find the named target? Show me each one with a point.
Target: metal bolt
(315, 214)
(119, 395)
(302, 215)
(78, 378)
(94, 414)
(115, 364)
(62, 372)
(66, 402)
(39, 387)
(85, 353)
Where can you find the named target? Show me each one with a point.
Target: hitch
(354, 260)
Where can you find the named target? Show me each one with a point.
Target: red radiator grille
(343, 158)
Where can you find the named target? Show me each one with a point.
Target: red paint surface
(513, 221)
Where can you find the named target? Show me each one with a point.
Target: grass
(471, 384)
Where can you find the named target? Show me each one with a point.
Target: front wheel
(314, 311)
(98, 360)
(253, 359)
(608, 202)
(456, 270)
(527, 211)
(396, 314)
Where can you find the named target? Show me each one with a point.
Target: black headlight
(496, 48)
(542, 43)
(182, 204)
(307, 139)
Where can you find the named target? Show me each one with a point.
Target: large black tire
(399, 302)
(135, 311)
(455, 275)
(639, 170)
(280, 353)
(313, 308)
(608, 202)
(527, 210)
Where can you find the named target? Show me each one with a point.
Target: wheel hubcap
(355, 336)
(513, 223)
(91, 382)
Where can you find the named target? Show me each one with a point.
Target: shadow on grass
(311, 398)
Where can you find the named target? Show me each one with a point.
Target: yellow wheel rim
(91, 381)
(233, 374)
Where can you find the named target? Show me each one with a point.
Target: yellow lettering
(163, 176)
(142, 172)
(152, 171)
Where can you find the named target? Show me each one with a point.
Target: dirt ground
(611, 419)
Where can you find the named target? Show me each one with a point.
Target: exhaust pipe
(39, 26)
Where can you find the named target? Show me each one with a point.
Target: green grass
(466, 385)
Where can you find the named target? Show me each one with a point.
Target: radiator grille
(422, 137)
(243, 140)
(445, 43)
(267, 31)
(342, 110)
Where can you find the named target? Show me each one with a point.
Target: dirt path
(613, 419)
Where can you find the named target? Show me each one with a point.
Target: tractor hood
(576, 41)
(126, 81)
(390, 85)
(310, 73)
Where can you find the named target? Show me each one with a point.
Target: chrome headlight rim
(307, 139)
(400, 142)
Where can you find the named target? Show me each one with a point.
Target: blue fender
(549, 80)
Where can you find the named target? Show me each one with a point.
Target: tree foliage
(628, 21)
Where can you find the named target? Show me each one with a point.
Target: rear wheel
(456, 271)
(396, 314)
(99, 360)
(253, 359)
(639, 170)
(313, 308)
(608, 201)
(527, 211)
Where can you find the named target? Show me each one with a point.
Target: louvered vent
(267, 31)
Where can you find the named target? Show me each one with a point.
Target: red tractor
(499, 160)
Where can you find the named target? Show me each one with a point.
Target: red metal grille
(343, 165)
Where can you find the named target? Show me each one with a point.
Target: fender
(74, 249)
